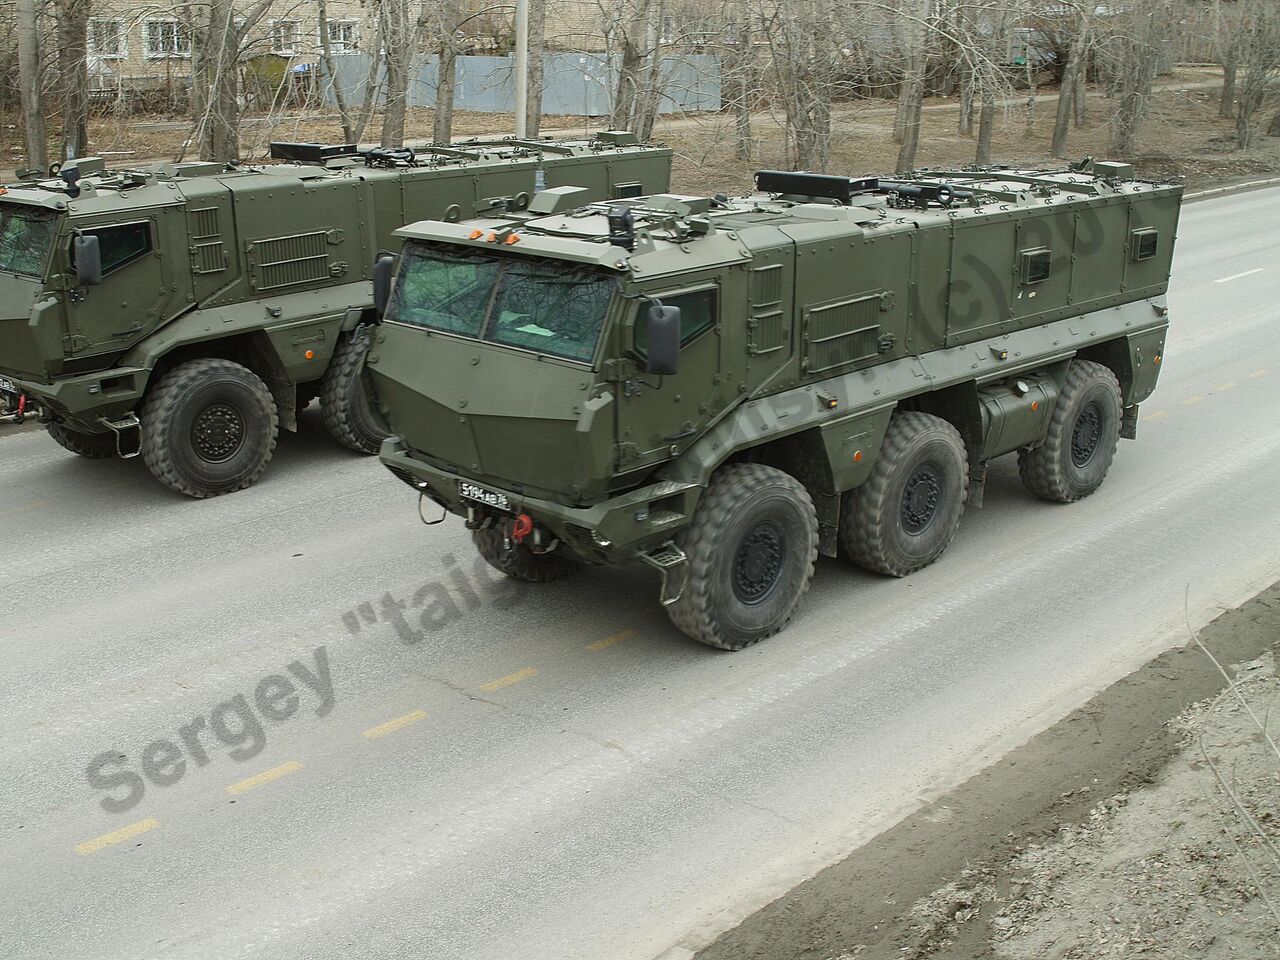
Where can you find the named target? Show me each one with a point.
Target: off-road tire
(346, 399)
(751, 548)
(907, 512)
(1082, 437)
(93, 446)
(521, 563)
(237, 419)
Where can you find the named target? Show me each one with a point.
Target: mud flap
(1129, 423)
(672, 562)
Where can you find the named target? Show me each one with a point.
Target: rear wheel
(751, 549)
(209, 427)
(94, 446)
(518, 561)
(1082, 437)
(907, 512)
(346, 399)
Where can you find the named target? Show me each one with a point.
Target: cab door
(658, 417)
(128, 303)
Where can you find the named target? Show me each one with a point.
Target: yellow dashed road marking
(1158, 415)
(275, 773)
(391, 726)
(1192, 401)
(1256, 374)
(509, 680)
(610, 641)
(117, 836)
(1225, 386)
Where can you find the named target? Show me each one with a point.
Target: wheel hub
(757, 565)
(1086, 435)
(218, 433)
(920, 498)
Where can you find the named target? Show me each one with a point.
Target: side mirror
(383, 269)
(662, 339)
(88, 260)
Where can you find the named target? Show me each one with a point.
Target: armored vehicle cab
(723, 389)
(186, 311)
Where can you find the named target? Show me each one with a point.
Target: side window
(121, 245)
(698, 313)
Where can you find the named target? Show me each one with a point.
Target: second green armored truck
(724, 389)
(186, 312)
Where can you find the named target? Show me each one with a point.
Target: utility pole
(29, 77)
(522, 69)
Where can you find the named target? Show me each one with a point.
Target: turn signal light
(476, 234)
(512, 238)
(310, 354)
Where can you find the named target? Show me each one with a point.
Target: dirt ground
(1145, 825)
(1183, 137)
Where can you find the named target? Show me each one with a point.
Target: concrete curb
(1233, 188)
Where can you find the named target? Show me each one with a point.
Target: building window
(344, 36)
(284, 37)
(166, 38)
(106, 39)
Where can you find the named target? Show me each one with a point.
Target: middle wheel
(751, 549)
(907, 512)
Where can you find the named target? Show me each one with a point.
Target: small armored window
(120, 245)
(1035, 265)
(1144, 244)
(623, 190)
(699, 311)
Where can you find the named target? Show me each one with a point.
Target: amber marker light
(492, 238)
(857, 456)
(476, 234)
(513, 238)
(1157, 360)
(1035, 404)
(310, 354)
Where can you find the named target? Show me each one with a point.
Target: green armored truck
(187, 311)
(724, 389)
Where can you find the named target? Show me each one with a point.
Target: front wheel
(751, 548)
(346, 400)
(93, 446)
(517, 561)
(1081, 441)
(209, 427)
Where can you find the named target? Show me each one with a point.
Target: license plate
(7, 386)
(479, 494)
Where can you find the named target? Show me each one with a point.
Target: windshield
(553, 308)
(26, 234)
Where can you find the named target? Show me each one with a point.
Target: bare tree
(217, 37)
(1070, 86)
(916, 14)
(399, 32)
(28, 30)
(1258, 46)
(1141, 33)
(349, 134)
(537, 50)
(73, 74)
(636, 36)
(443, 18)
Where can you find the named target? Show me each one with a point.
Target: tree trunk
(221, 122)
(1079, 101)
(326, 57)
(625, 107)
(446, 84)
(1274, 129)
(914, 100)
(37, 146)
(398, 42)
(1067, 90)
(651, 90)
(73, 75)
(986, 123)
(966, 105)
(1227, 101)
(537, 52)
(739, 76)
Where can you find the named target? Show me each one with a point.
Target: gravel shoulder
(1145, 824)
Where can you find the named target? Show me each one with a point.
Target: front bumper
(615, 530)
(87, 400)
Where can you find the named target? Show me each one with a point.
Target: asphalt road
(555, 772)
